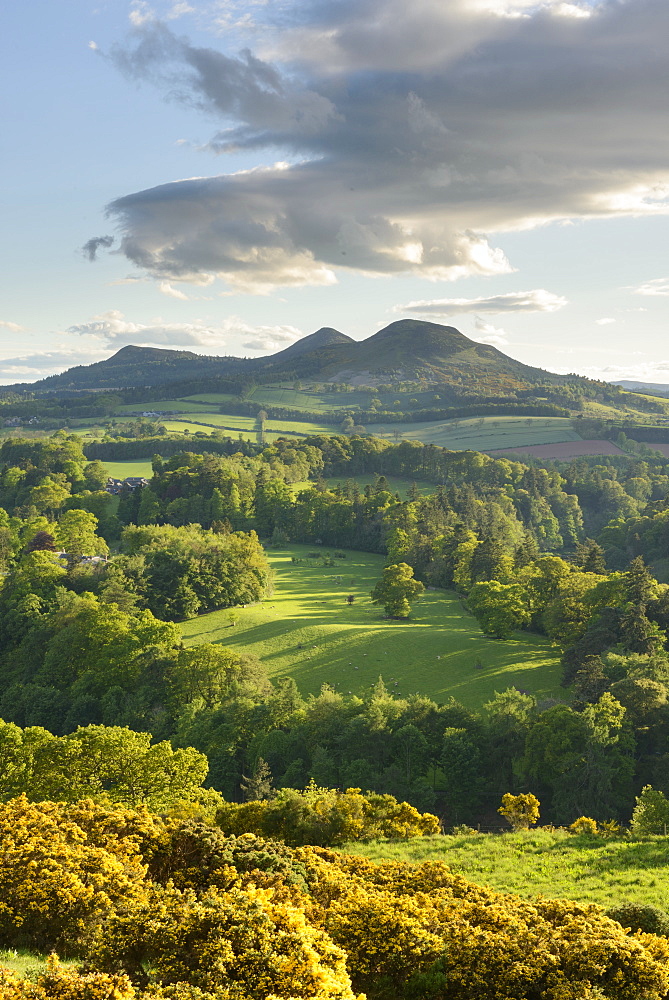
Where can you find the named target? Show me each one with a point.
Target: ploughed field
(308, 631)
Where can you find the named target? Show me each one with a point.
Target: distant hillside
(323, 339)
(652, 388)
(139, 366)
(413, 348)
(405, 350)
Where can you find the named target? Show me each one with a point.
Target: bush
(520, 811)
(584, 825)
(641, 917)
(325, 817)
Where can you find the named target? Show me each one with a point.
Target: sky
(228, 176)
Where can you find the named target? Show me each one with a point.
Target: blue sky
(267, 168)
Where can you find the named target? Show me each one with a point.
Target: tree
(396, 590)
(41, 542)
(76, 534)
(651, 813)
(500, 608)
(259, 785)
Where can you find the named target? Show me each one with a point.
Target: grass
(26, 964)
(550, 863)
(308, 631)
(129, 467)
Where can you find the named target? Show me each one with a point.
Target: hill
(140, 366)
(414, 348)
(404, 350)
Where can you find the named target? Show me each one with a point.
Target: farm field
(130, 467)
(237, 422)
(565, 450)
(481, 433)
(308, 631)
(550, 863)
(169, 405)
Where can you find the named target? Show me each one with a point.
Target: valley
(306, 630)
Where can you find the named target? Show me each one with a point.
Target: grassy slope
(308, 631)
(545, 862)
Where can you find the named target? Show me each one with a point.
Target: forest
(96, 584)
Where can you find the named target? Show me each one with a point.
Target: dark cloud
(91, 247)
(413, 130)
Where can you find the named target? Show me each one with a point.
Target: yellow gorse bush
(159, 908)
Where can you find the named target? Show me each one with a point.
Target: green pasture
(308, 631)
(481, 433)
(130, 467)
(170, 405)
(237, 422)
(550, 863)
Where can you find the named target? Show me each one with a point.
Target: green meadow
(549, 862)
(131, 467)
(308, 630)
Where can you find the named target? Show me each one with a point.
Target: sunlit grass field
(550, 863)
(308, 631)
(131, 467)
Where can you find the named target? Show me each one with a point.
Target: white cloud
(140, 14)
(537, 300)
(167, 289)
(604, 321)
(649, 372)
(39, 364)
(411, 132)
(489, 334)
(658, 286)
(12, 327)
(114, 330)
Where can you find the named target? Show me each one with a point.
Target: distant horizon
(199, 353)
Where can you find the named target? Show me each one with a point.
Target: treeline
(167, 445)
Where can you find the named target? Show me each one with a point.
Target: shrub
(584, 825)
(641, 917)
(55, 884)
(520, 811)
(58, 983)
(325, 817)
